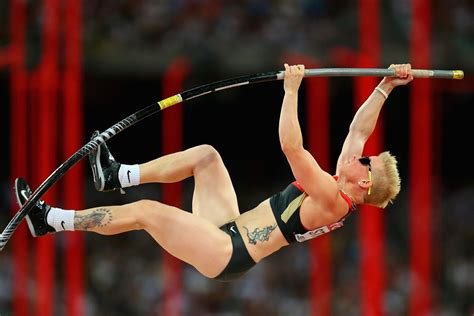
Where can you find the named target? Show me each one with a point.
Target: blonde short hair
(385, 181)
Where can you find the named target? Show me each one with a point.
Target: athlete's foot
(104, 168)
(36, 217)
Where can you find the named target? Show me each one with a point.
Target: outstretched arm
(366, 116)
(304, 167)
(289, 128)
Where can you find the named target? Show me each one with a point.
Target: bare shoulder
(324, 211)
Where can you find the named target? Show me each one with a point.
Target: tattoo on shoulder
(100, 217)
(258, 234)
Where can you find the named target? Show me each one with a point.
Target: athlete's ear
(365, 184)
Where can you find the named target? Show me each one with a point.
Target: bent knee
(208, 154)
(143, 210)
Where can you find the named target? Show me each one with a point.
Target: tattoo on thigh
(260, 234)
(100, 217)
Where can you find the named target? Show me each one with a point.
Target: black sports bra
(286, 209)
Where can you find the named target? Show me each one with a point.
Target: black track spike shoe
(104, 168)
(36, 218)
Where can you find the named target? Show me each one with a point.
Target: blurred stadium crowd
(124, 37)
(247, 34)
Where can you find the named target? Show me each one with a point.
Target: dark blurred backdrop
(128, 45)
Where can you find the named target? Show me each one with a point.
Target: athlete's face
(360, 168)
(366, 161)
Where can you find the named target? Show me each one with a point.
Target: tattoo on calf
(100, 217)
(259, 234)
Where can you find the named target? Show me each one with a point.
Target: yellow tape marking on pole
(170, 101)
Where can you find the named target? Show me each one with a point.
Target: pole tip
(458, 74)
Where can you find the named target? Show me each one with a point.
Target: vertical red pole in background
(420, 163)
(172, 127)
(317, 134)
(44, 160)
(72, 114)
(371, 229)
(18, 150)
(317, 104)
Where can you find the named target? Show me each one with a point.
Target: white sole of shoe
(97, 171)
(28, 220)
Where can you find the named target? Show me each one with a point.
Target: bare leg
(214, 196)
(184, 235)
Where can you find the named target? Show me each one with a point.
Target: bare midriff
(260, 219)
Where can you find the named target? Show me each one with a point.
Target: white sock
(60, 219)
(129, 175)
